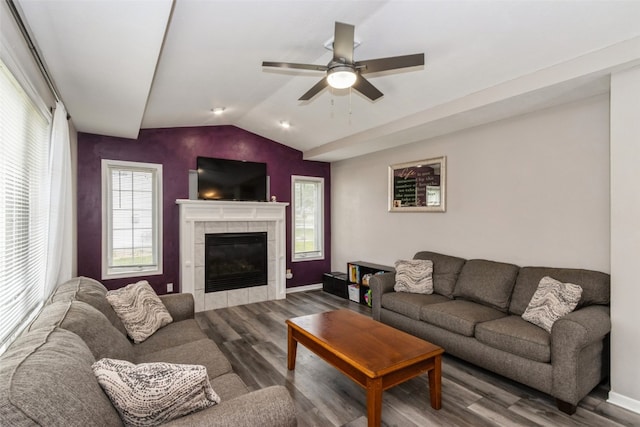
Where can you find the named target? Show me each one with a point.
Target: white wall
(625, 239)
(531, 190)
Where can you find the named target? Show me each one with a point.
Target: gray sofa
(475, 314)
(46, 377)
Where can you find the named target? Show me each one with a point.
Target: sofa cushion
(202, 352)
(414, 276)
(149, 394)
(270, 406)
(72, 286)
(409, 304)
(46, 380)
(102, 338)
(229, 386)
(91, 292)
(487, 282)
(551, 301)
(172, 335)
(515, 335)
(595, 285)
(446, 269)
(140, 310)
(459, 316)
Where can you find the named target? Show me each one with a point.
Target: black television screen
(223, 179)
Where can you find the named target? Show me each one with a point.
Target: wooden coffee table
(372, 354)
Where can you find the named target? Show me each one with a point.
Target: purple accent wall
(176, 149)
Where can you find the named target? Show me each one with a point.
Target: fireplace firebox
(235, 260)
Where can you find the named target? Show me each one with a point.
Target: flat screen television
(224, 179)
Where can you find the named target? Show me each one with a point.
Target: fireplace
(201, 217)
(235, 260)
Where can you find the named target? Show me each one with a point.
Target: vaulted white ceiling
(123, 65)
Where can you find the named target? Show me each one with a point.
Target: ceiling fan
(343, 72)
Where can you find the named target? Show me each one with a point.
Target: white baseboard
(624, 402)
(313, 287)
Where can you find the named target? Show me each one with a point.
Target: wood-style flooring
(254, 338)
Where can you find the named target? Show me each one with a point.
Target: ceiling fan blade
(314, 90)
(390, 63)
(363, 86)
(343, 42)
(294, 65)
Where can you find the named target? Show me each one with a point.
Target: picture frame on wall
(418, 186)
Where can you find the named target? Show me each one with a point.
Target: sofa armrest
(577, 342)
(267, 407)
(380, 284)
(180, 306)
(578, 329)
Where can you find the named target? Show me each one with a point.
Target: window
(132, 219)
(308, 217)
(24, 208)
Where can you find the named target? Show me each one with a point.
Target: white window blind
(308, 217)
(24, 150)
(132, 197)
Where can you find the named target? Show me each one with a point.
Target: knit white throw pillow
(414, 276)
(140, 310)
(551, 301)
(149, 394)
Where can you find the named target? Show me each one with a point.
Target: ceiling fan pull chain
(350, 105)
(332, 105)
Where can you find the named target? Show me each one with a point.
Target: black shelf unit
(358, 275)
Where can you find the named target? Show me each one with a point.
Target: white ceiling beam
(581, 77)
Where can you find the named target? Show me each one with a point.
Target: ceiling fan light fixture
(343, 72)
(341, 77)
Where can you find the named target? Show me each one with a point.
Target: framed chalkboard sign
(418, 186)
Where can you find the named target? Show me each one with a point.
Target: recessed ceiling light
(218, 110)
(285, 124)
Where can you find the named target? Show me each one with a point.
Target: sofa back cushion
(80, 282)
(89, 324)
(446, 269)
(93, 293)
(46, 380)
(487, 282)
(595, 285)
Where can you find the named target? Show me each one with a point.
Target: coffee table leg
(292, 347)
(374, 401)
(435, 383)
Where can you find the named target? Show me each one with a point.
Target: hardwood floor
(254, 338)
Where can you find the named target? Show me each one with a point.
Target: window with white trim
(307, 194)
(131, 219)
(25, 132)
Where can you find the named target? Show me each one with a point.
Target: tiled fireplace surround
(200, 217)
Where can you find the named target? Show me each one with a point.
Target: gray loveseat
(46, 377)
(475, 314)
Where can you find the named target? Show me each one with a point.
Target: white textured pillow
(149, 394)
(551, 301)
(414, 276)
(140, 310)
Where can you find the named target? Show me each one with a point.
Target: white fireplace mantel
(199, 217)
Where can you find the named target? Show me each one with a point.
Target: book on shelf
(354, 273)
